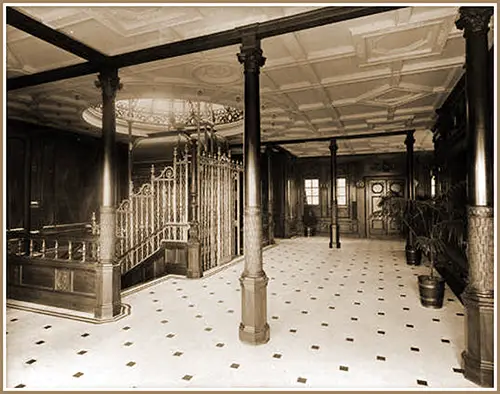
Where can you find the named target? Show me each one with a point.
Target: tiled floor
(347, 318)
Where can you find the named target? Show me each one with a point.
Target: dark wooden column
(478, 296)
(411, 252)
(254, 328)
(108, 275)
(194, 269)
(334, 225)
(270, 197)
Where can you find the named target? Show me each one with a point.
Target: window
(433, 186)
(341, 191)
(312, 191)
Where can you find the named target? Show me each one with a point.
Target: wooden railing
(75, 248)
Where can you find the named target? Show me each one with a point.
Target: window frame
(345, 195)
(311, 191)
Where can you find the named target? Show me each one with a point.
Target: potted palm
(433, 223)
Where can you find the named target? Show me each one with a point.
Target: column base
(108, 291)
(194, 270)
(334, 237)
(478, 358)
(254, 328)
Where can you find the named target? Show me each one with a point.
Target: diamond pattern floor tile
(339, 318)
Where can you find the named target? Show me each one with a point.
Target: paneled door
(375, 189)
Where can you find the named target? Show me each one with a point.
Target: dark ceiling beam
(59, 74)
(289, 24)
(337, 137)
(37, 29)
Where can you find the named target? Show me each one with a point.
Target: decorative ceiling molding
(315, 82)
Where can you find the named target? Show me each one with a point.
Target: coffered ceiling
(384, 72)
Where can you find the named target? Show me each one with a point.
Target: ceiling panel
(378, 73)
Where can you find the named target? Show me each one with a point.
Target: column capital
(333, 145)
(250, 53)
(410, 139)
(474, 20)
(109, 82)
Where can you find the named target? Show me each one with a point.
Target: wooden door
(375, 189)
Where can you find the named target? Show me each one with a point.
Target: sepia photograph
(261, 196)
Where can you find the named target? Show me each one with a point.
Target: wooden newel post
(254, 328)
(478, 296)
(108, 275)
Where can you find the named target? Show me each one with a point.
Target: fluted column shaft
(270, 197)
(253, 328)
(478, 296)
(108, 276)
(334, 225)
(411, 253)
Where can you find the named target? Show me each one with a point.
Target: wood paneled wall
(356, 170)
(54, 177)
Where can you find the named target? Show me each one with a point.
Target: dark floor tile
(208, 329)
(354, 318)
(164, 321)
(301, 380)
(159, 310)
(230, 311)
(459, 314)
(357, 303)
(187, 377)
(422, 382)
(82, 352)
(380, 332)
(31, 361)
(293, 330)
(406, 308)
(410, 325)
(344, 368)
(178, 354)
(381, 313)
(85, 335)
(349, 339)
(47, 327)
(130, 364)
(275, 317)
(234, 365)
(315, 347)
(14, 319)
(435, 319)
(170, 335)
(128, 343)
(276, 355)
(126, 328)
(324, 324)
(198, 316)
(381, 299)
(220, 345)
(414, 349)
(78, 374)
(20, 386)
(304, 312)
(380, 358)
(39, 342)
(445, 340)
(458, 370)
